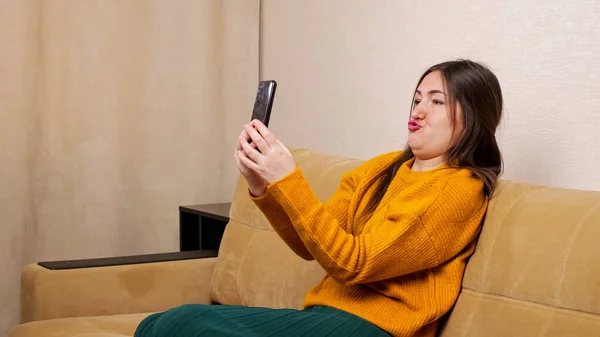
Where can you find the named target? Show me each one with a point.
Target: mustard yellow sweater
(404, 270)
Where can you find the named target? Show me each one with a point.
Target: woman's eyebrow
(431, 92)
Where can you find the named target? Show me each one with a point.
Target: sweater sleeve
(337, 206)
(281, 223)
(401, 243)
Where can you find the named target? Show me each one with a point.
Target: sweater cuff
(266, 198)
(295, 195)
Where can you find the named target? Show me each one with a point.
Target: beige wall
(17, 117)
(347, 69)
(112, 114)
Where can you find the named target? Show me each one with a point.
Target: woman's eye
(416, 101)
(438, 102)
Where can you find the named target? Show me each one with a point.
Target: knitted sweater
(402, 270)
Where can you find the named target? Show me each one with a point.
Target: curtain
(112, 114)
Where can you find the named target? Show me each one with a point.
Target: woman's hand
(256, 183)
(272, 163)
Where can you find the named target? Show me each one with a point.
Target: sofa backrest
(255, 267)
(536, 270)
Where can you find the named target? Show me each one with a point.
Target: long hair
(477, 90)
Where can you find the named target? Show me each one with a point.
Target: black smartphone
(264, 101)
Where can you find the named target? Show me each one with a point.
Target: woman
(394, 238)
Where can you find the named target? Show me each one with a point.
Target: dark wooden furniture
(201, 227)
(200, 231)
(123, 260)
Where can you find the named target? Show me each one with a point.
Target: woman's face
(431, 132)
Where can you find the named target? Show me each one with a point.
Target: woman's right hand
(256, 183)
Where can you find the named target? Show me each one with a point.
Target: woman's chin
(414, 144)
(419, 151)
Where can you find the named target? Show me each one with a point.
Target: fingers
(249, 151)
(244, 169)
(241, 167)
(256, 137)
(238, 145)
(247, 163)
(264, 132)
(246, 138)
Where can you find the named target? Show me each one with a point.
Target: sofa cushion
(479, 314)
(100, 326)
(535, 271)
(255, 267)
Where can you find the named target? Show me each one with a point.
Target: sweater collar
(406, 173)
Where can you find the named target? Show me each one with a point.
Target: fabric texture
(94, 326)
(403, 269)
(124, 289)
(220, 320)
(102, 140)
(530, 275)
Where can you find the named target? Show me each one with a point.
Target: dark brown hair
(477, 90)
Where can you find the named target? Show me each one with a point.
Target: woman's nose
(418, 112)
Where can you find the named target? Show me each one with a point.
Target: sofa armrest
(114, 286)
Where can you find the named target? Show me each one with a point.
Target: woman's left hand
(274, 161)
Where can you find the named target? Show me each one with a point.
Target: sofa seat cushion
(99, 326)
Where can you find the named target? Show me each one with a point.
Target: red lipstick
(413, 126)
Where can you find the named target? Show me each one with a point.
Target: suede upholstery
(53, 300)
(534, 273)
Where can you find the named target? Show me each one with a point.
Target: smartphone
(264, 101)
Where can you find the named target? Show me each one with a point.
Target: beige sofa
(536, 270)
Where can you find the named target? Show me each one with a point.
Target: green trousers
(196, 320)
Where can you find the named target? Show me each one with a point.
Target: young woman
(394, 238)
